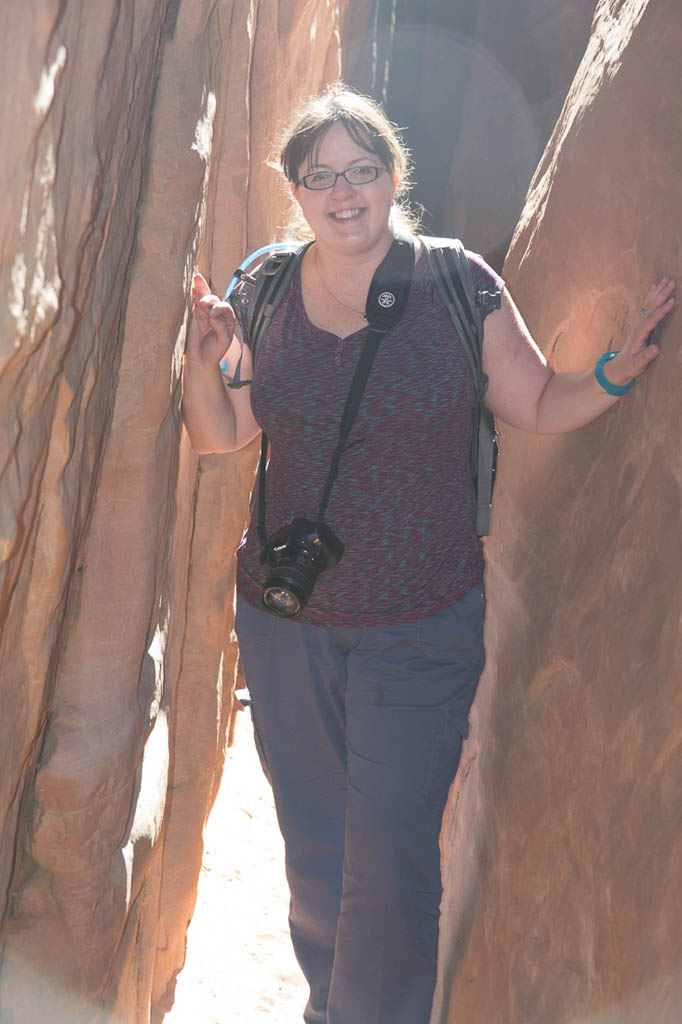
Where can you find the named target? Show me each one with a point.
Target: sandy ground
(240, 967)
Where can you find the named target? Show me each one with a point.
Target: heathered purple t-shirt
(403, 504)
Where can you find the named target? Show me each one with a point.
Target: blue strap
(242, 274)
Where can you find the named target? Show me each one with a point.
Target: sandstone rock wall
(133, 149)
(563, 845)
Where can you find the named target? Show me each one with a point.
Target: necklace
(330, 292)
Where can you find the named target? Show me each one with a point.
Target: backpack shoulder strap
(260, 299)
(452, 273)
(271, 282)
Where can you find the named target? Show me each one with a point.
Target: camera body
(296, 555)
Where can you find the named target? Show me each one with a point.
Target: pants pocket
(454, 635)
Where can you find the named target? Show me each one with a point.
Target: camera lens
(281, 601)
(290, 584)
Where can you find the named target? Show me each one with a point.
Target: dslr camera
(296, 555)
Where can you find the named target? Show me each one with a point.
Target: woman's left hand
(635, 355)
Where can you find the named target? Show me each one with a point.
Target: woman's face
(346, 217)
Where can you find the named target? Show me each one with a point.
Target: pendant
(338, 352)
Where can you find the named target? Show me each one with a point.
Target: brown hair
(368, 127)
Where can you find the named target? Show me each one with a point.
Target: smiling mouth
(346, 214)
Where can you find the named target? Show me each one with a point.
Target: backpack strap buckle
(488, 301)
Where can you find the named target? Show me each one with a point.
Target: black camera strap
(386, 303)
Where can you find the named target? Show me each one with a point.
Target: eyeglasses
(359, 175)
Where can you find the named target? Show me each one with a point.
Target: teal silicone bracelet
(602, 379)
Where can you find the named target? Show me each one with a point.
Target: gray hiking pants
(360, 732)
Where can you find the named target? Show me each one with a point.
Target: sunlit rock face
(563, 845)
(133, 146)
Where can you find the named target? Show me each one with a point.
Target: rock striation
(133, 150)
(562, 844)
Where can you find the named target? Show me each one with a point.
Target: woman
(361, 702)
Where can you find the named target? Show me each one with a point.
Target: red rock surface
(563, 844)
(133, 148)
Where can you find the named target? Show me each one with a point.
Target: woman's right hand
(211, 327)
(218, 419)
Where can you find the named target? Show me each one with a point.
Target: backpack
(452, 273)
